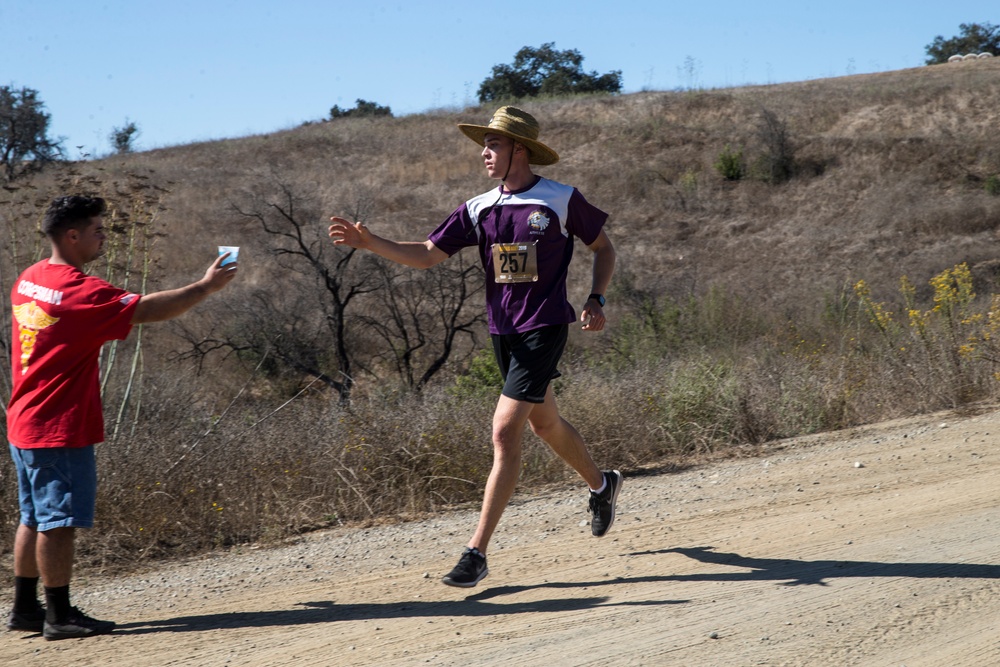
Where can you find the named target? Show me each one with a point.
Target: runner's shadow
(789, 572)
(328, 612)
(803, 572)
(497, 591)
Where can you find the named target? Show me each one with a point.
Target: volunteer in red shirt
(62, 317)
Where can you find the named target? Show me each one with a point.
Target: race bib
(515, 262)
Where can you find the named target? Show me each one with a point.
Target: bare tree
(423, 314)
(300, 246)
(777, 163)
(318, 319)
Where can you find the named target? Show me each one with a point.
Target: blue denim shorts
(57, 486)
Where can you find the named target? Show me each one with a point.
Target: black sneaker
(77, 624)
(470, 570)
(27, 621)
(602, 505)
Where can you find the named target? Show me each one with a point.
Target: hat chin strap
(510, 163)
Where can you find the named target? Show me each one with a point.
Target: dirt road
(878, 546)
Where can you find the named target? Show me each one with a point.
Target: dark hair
(71, 212)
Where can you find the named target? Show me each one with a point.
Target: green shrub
(482, 380)
(659, 328)
(689, 182)
(730, 164)
(992, 185)
(362, 109)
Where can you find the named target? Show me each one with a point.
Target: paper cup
(234, 253)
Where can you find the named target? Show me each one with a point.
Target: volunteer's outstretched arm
(168, 304)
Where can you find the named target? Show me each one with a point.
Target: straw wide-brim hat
(520, 126)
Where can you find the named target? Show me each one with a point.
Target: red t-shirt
(62, 317)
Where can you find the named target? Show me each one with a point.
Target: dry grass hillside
(336, 388)
(888, 174)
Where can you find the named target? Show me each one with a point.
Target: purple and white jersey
(547, 214)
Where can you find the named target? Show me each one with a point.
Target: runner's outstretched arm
(419, 255)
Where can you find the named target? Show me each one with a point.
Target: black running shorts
(528, 361)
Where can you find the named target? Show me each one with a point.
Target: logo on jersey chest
(538, 222)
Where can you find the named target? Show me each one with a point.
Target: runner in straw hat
(524, 232)
(515, 124)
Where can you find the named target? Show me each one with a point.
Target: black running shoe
(470, 570)
(77, 624)
(602, 505)
(27, 621)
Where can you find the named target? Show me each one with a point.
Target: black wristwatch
(599, 298)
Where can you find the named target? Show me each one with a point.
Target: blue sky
(187, 71)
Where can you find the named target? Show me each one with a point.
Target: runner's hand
(345, 232)
(592, 316)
